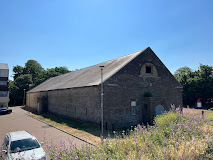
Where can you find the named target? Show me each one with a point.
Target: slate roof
(4, 66)
(89, 76)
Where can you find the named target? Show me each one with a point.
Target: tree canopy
(196, 84)
(32, 74)
(18, 70)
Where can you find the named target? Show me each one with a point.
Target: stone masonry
(124, 89)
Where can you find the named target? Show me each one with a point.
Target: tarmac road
(18, 120)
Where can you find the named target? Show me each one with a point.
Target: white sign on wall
(133, 103)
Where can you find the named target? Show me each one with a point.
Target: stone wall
(77, 103)
(35, 101)
(131, 86)
(128, 85)
(32, 101)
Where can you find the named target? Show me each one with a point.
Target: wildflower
(173, 106)
(76, 157)
(108, 152)
(164, 150)
(136, 143)
(139, 127)
(18, 149)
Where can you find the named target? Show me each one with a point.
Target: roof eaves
(62, 88)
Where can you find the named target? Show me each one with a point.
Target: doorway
(159, 109)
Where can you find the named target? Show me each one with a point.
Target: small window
(3, 94)
(133, 106)
(148, 69)
(3, 82)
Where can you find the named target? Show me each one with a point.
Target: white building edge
(4, 80)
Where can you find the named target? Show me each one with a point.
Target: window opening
(3, 94)
(3, 82)
(133, 106)
(148, 69)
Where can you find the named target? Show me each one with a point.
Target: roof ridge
(88, 75)
(138, 52)
(113, 59)
(101, 63)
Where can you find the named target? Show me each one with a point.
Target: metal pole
(24, 98)
(102, 116)
(29, 97)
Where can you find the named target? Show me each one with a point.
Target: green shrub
(166, 119)
(148, 94)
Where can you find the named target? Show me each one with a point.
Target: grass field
(174, 136)
(197, 111)
(89, 132)
(84, 131)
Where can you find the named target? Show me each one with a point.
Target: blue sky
(81, 33)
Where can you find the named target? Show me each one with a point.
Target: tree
(206, 71)
(52, 72)
(33, 68)
(204, 82)
(32, 73)
(23, 81)
(183, 73)
(18, 70)
(196, 84)
(14, 96)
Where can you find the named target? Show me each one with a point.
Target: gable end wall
(131, 86)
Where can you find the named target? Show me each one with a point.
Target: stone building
(4, 92)
(137, 87)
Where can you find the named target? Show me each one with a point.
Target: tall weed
(174, 136)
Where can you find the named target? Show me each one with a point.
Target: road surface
(18, 120)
